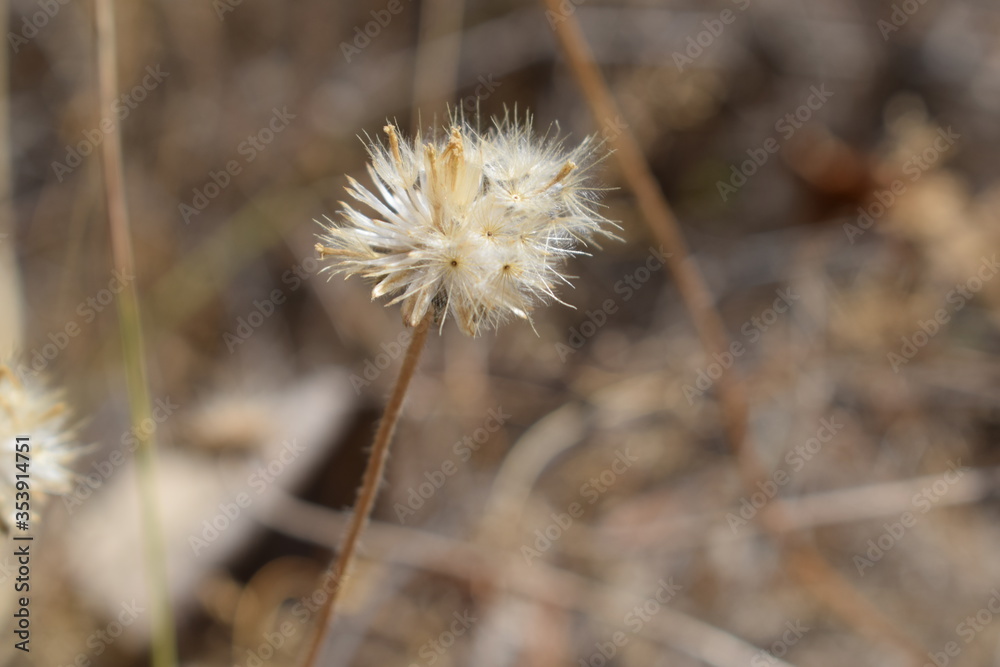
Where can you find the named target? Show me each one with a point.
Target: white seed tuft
(476, 225)
(29, 410)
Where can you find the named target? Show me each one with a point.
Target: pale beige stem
(164, 650)
(11, 297)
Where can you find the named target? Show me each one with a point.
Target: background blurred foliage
(218, 79)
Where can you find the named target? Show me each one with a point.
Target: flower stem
(333, 578)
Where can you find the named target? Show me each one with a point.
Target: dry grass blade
(804, 560)
(164, 641)
(540, 582)
(11, 303)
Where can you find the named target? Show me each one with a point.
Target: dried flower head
(478, 225)
(27, 410)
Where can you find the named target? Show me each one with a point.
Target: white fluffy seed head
(28, 409)
(475, 225)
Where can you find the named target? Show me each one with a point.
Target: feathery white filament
(474, 225)
(29, 410)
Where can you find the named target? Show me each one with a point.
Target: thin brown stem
(805, 561)
(369, 490)
(653, 205)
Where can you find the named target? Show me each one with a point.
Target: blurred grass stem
(164, 651)
(11, 291)
(804, 560)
